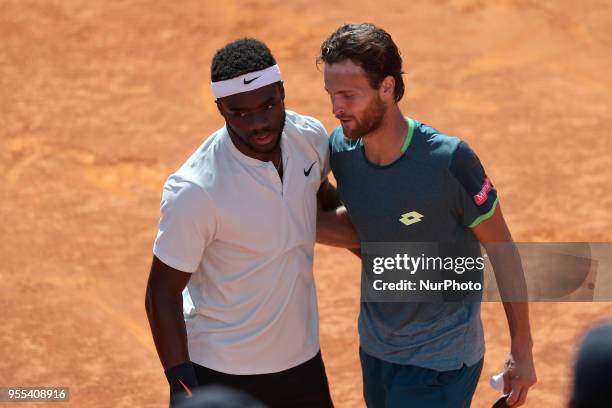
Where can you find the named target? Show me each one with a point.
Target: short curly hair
(240, 57)
(368, 46)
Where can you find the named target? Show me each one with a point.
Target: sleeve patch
(483, 195)
(476, 193)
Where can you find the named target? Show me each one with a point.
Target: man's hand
(519, 376)
(334, 226)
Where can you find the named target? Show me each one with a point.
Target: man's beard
(265, 149)
(247, 139)
(371, 119)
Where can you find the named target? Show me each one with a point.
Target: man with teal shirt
(403, 181)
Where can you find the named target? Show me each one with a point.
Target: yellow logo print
(411, 218)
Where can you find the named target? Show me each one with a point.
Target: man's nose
(259, 121)
(337, 106)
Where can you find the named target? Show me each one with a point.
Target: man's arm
(164, 306)
(334, 226)
(495, 236)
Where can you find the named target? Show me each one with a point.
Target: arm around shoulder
(334, 226)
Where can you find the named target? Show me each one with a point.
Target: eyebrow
(265, 102)
(341, 92)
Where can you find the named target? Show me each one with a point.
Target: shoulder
(307, 125)
(440, 149)
(437, 144)
(307, 132)
(461, 163)
(339, 143)
(185, 196)
(202, 168)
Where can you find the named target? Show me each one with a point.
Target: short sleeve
(476, 196)
(320, 142)
(332, 140)
(186, 227)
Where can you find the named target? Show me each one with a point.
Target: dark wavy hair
(240, 57)
(368, 46)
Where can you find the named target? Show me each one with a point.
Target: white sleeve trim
(172, 262)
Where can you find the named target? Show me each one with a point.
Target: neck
(384, 145)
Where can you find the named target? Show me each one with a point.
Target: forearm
(165, 314)
(327, 197)
(334, 228)
(510, 278)
(517, 314)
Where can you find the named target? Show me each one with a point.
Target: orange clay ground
(100, 101)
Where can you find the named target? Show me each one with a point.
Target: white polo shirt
(248, 238)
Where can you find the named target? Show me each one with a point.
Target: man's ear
(282, 91)
(387, 88)
(220, 108)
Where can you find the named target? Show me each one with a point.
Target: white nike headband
(247, 82)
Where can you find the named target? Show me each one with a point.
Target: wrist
(181, 378)
(521, 346)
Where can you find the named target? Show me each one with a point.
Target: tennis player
(403, 181)
(237, 228)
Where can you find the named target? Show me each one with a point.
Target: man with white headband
(237, 228)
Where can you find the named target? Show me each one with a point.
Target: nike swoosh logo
(307, 172)
(246, 82)
(189, 394)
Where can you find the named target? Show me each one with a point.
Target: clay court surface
(100, 101)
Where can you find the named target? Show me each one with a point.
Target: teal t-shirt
(435, 192)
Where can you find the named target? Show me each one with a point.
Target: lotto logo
(410, 218)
